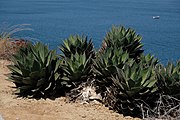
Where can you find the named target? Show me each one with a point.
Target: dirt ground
(12, 108)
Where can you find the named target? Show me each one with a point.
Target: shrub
(34, 71)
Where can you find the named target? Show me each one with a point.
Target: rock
(1, 118)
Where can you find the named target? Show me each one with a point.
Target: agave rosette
(34, 71)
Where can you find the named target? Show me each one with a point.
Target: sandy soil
(12, 108)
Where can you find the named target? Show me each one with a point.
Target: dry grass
(8, 44)
(6, 50)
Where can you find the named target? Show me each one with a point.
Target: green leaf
(25, 87)
(40, 82)
(145, 75)
(15, 69)
(27, 80)
(58, 63)
(152, 83)
(65, 78)
(34, 75)
(56, 75)
(67, 45)
(49, 58)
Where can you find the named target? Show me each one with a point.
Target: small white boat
(156, 17)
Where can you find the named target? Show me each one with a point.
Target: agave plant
(132, 86)
(77, 69)
(148, 60)
(169, 79)
(106, 63)
(128, 40)
(78, 44)
(34, 71)
(132, 90)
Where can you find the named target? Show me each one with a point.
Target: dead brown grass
(8, 44)
(6, 49)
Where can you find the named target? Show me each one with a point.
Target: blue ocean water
(55, 20)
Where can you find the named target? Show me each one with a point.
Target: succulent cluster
(76, 69)
(78, 53)
(127, 39)
(106, 64)
(169, 79)
(132, 89)
(34, 71)
(78, 44)
(128, 80)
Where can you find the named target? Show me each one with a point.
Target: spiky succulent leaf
(169, 79)
(77, 68)
(78, 44)
(133, 87)
(33, 71)
(127, 39)
(106, 63)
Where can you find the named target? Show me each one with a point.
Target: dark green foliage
(77, 69)
(128, 40)
(78, 53)
(78, 44)
(169, 79)
(34, 71)
(129, 81)
(105, 66)
(133, 89)
(106, 63)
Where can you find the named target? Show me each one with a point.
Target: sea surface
(54, 20)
